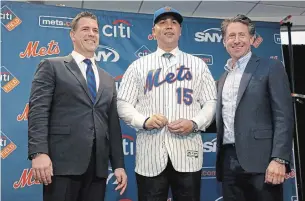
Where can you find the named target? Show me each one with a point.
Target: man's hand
(42, 169)
(181, 127)
(156, 121)
(121, 178)
(275, 173)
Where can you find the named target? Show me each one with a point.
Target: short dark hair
(238, 18)
(79, 16)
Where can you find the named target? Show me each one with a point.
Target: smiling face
(237, 40)
(167, 31)
(85, 36)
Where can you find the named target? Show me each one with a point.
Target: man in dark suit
(74, 127)
(254, 118)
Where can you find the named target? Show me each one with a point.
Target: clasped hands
(180, 126)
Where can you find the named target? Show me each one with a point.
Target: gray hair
(238, 18)
(79, 16)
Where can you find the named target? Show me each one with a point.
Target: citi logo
(128, 145)
(118, 29)
(142, 51)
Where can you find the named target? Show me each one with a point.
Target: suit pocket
(263, 133)
(60, 130)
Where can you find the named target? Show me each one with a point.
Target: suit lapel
(73, 67)
(220, 85)
(221, 82)
(101, 85)
(250, 68)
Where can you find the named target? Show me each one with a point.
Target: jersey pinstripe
(176, 88)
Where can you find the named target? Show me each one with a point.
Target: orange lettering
(42, 51)
(25, 179)
(30, 50)
(56, 50)
(24, 115)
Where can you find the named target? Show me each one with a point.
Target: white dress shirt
(79, 59)
(229, 95)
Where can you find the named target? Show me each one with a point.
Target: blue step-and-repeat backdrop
(31, 32)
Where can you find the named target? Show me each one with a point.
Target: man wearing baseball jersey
(168, 96)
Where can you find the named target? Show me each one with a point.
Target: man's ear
(252, 39)
(72, 36)
(153, 32)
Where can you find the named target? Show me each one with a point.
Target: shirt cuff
(138, 121)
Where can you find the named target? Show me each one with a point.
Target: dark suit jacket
(263, 125)
(63, 120)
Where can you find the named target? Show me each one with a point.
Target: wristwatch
(281, 161)
(32, 156)
(195, 127)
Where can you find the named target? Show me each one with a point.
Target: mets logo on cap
(167, 8)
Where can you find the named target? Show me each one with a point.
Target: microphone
(298, 95)
(286, 19)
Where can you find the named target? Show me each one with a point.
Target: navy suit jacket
(263, 126)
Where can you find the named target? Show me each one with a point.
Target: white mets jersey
(177, 87)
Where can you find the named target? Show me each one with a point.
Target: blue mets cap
(167, 11)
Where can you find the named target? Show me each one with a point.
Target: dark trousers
(239, 185)
(185, 186)
(86, 187)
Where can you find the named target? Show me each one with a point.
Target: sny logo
(207, 58)
(277, 38)
(8, 19)
(32, 49)
(24, 115)
(7, 146)
(106, 54)
(119, 28)
(55, 22)
(128, 146)
(209, 35)
(8, 80)
(142, 51)
(26, 179)
(210, 146)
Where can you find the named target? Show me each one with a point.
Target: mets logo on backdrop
(7, 146)
(8, 80)
(26, 179)
(32, 49)
(207, 58)
(9, 19)
(24, 115)
(258, 40)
